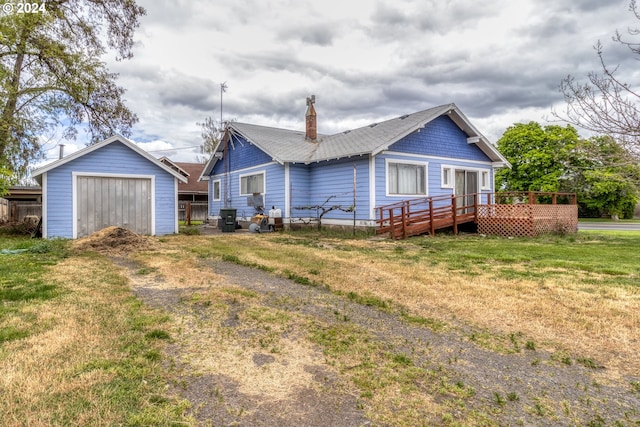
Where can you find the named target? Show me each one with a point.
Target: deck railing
(428, 214)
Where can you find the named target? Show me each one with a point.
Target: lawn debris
(114, 240)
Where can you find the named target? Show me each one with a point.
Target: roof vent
(372, 125)
(404, 117)
(346, 131)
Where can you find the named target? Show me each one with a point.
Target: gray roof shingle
(290, 146)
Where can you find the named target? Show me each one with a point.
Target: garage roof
(37, 173)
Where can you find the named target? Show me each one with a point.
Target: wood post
(404, 220)
(432, 226)
(391, 223)
(475, 208)
(454, 211)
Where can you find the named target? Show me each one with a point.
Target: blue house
(347, 175)
(111, 183)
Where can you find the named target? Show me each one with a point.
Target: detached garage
(111, 183)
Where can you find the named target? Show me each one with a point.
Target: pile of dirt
(114, 240)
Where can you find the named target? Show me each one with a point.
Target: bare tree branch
(604, 104)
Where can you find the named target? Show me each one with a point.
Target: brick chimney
(310, 116)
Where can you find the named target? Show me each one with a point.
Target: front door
(466, 187)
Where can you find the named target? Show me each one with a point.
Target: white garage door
(107, 201)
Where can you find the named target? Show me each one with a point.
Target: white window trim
(450, 171)
(213, 192)
(481, 172)
(264, 182)
(406, 162)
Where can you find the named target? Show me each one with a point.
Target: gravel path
(527, 388)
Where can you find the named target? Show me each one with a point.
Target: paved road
(618, 226)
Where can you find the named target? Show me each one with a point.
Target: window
(407, 178)
(447, 179)
(216, 190)
(484, 181)
(250, 184)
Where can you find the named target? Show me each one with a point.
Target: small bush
(190, 231)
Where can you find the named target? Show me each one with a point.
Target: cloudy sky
(500, 61)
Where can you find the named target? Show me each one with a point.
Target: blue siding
(244, 158)
(114, 158)
(335, 178)
(230, 189)
(443, 138)
(245, 155)
(300, 185)
(439, 142)
(434, 175)
(242, 155)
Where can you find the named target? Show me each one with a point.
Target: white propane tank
(273, 214)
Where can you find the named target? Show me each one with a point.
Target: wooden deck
(426, 215)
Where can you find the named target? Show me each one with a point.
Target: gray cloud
(315, 34)
(364, 62)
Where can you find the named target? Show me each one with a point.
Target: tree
(5, 180)
(600, 171)
(51, 75)
(538, 156)
(605, 178)
(606, 105)
(211, 132)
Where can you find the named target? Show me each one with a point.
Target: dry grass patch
(551, 309)
(88, 365)
(255, 332)
(272, 355)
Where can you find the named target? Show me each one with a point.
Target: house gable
(242, 154)
(442, 138)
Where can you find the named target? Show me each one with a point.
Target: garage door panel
(113, 201)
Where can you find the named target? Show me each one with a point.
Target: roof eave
(257, 144)
(37, 173)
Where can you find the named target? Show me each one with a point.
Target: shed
(111, 183)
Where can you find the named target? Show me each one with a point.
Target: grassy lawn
(605, 220)
(75, 347)
(545, 291)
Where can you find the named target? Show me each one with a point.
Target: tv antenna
(223, 89)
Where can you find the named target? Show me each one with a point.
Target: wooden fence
(193, 211)
(528, 214)
(4, 210)
(17, 211)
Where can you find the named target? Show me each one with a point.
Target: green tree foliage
(51, 75)
(5, 180)
(539, 156)
(604, 176)
(553, 158)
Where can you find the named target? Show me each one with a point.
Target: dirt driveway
(252, 349)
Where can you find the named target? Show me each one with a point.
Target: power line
(173, 149)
